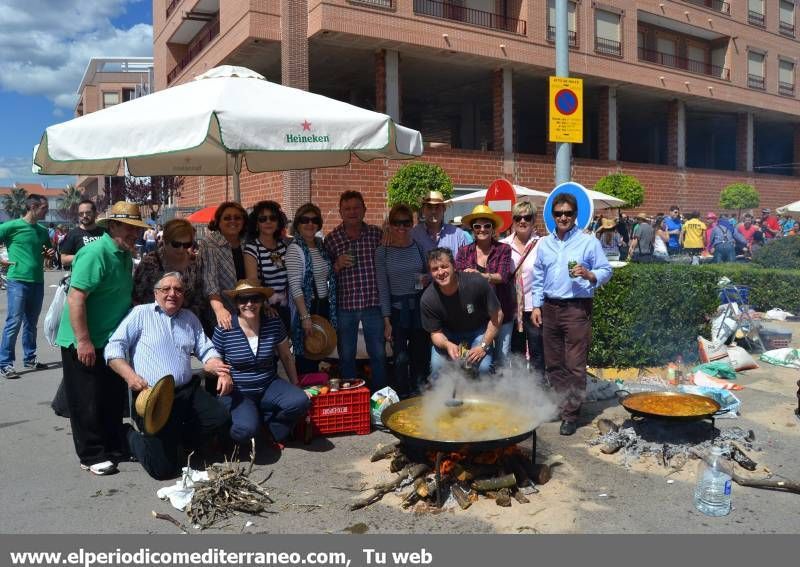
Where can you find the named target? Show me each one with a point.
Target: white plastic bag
(777, 314)
(381, 400)
(53, 317)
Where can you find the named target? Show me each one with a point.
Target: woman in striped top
(402, 275)
(249, 347)
(265, 253)
(312, 284)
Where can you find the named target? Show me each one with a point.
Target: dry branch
(767, 483)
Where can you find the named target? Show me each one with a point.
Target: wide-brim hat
(433, 198)
(249, 287)
(607, 224)
(154, 405)
(482, 212)
(321, 341)
(122, 211)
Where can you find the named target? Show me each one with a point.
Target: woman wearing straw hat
(492, 259)
(312, 284)
(609, 238)
(250, 346)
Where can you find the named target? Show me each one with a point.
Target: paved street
(44, 491)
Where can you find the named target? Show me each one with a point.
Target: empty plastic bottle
(712, 495)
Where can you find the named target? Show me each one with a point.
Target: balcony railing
(470, 16)
(571, 34)
(690, 65)
(786, 89)
(785, 28)
(607, 46)
(203, 39)
(717, 5)
(171, 6)
(756, 82)
(755, 18)
(376, 3)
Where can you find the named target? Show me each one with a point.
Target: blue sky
(45, 46)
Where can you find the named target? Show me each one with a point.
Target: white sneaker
(100, 469)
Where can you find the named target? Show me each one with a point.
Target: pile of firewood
(502, 475)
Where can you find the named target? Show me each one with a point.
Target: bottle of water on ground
(712, 495)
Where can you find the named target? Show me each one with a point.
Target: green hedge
(648, 314)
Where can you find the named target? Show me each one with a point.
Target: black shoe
(568, 428)
(34, 365)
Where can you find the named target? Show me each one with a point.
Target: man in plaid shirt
(351, 247)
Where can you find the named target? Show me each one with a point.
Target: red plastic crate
(345, 411)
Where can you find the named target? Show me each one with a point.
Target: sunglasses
(401, 222)
(308, 220)
(86, 213)
(168, 289)
(245, 299)
(526, 218)
(484, 226)
(229, 218)
(179, 244)
(267, 218)
(568, 214)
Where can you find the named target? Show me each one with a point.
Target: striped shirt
(357, 286)
(397, 270)
(271, 264)
(157, 344)
(296, 265)
(251, 373)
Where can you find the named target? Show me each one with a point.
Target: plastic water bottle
(712, 495)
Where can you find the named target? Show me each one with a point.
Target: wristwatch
(485, 347)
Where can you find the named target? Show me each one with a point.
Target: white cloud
(45, 45)
(18, 170)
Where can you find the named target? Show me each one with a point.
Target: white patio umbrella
(600, 200)
(791, 208)
(224, 118)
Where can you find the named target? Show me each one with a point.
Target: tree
(415, 180)
(622, 186)
(739, 196)
(68, 204)
(154, 192)
(14, 202)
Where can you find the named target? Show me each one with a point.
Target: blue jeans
(372, 322)
(440, 358)
(24, 306)
(724, 252)
(279, 408)
(502, 343)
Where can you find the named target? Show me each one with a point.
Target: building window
(755, 12)
(607, 33)
(786, 23)
(128, 94)
(110, 99)
(786, 77)
(572, 33)
(755, 70)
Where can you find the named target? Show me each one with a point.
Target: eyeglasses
(568, 214)
(245, 299)
(308, 220)
(526, 218)
(401, 222)
(267, 218)
(229, 218)
(482, 226)
(179, 244)
(173, 289)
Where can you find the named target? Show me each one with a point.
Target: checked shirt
(357, 287)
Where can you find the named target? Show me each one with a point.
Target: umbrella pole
(237, 169)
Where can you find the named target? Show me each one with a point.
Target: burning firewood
(497, 483)
(410, 473)
(399, 462)
(461, 496)
(384, 451)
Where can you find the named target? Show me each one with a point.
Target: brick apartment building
(108, 81)
(688, 95)
(53, 195)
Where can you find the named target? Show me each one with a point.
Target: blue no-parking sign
(585, 205)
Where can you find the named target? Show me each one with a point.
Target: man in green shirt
(99, 298)
(28, 242)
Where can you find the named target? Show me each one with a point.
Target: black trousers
(196, 416)
(95, 397)
(529, 339)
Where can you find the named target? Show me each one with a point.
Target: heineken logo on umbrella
(306, 138)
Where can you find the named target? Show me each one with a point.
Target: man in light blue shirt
(156, 339)
(569, 266)
(434, 232)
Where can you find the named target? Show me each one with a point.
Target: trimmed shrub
(739, 196)
(648, 314)
(414, 180)
(782, 253)
(623, 186)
